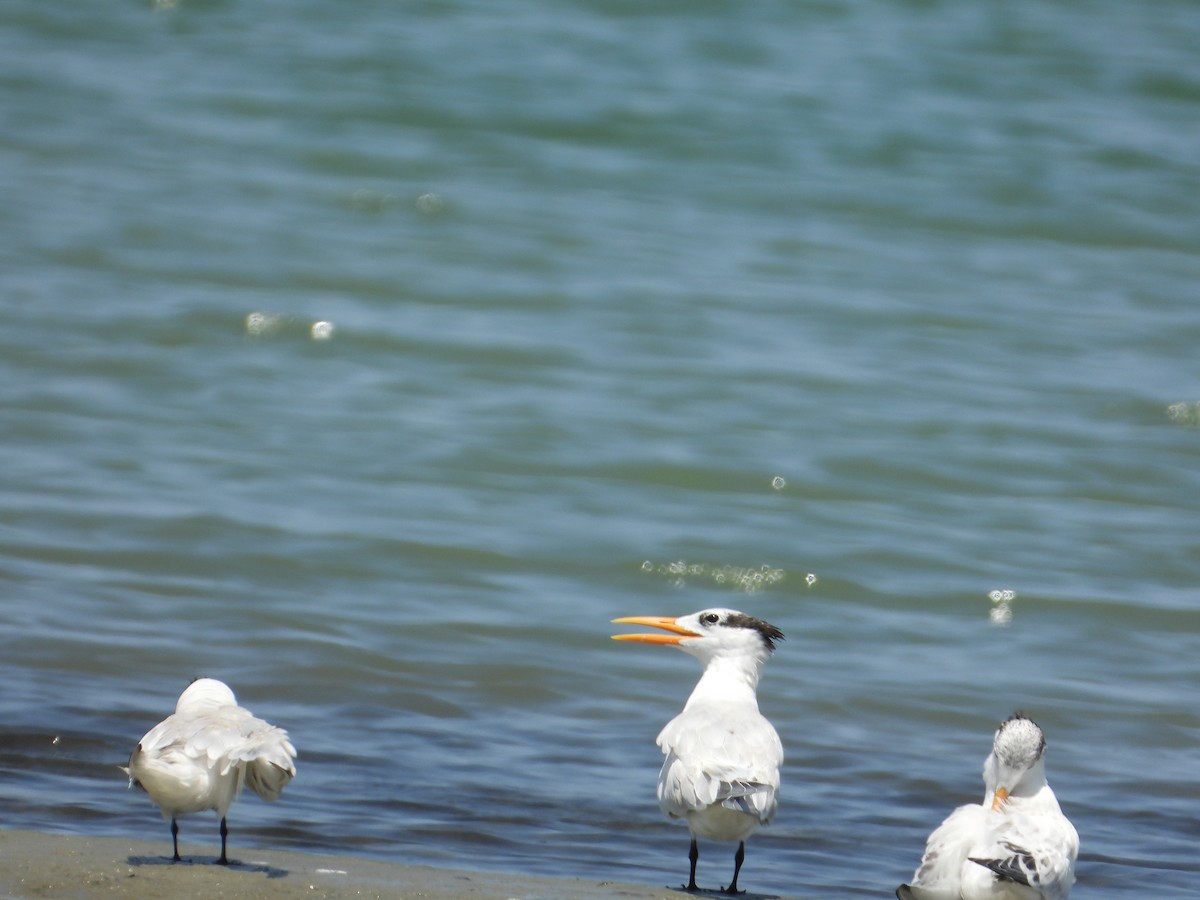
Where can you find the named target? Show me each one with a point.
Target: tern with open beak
(200, 757)
(1015, 845)
(721, 772)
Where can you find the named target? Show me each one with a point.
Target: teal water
(636, 310)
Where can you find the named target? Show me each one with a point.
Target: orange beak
(664, 622)
(998, 799)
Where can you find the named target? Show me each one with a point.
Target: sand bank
(33, 864)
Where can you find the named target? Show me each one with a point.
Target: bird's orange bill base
(999, 798)
(678, 633)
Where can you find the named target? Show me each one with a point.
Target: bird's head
(205, 694)
(709, 634)
(1016, 764)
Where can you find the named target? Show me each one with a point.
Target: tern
(721, 771)
(200, 757)
(1015, 845)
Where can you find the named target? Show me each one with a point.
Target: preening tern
(1015, 845)
(200, 757)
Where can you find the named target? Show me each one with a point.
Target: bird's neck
(728, 678)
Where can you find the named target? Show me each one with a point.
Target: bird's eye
(710, 619)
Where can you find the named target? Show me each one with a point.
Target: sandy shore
(33, 864)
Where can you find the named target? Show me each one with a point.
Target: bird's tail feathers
(133, 782)
(128, 770)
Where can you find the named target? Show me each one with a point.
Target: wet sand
(33, 864)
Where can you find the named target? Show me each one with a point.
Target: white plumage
(721, 772)
(200, 757)
(1016, 845)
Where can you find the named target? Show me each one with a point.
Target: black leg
(738, 859)
(224, 860)
(175, 839)
(693, 855)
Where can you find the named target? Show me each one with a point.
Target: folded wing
(1037, 849)
(728, 757)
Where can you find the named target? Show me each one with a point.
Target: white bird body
(1015, 845)
(721, 772)
(200, 757)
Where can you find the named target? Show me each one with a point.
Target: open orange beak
(677, 633)
(998, 799)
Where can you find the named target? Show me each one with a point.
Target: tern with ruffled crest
(1015, 845)
(200, 757)
(721, 772)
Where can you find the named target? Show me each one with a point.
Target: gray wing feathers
(268, 779)
(1019, 867)
(229, 738)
